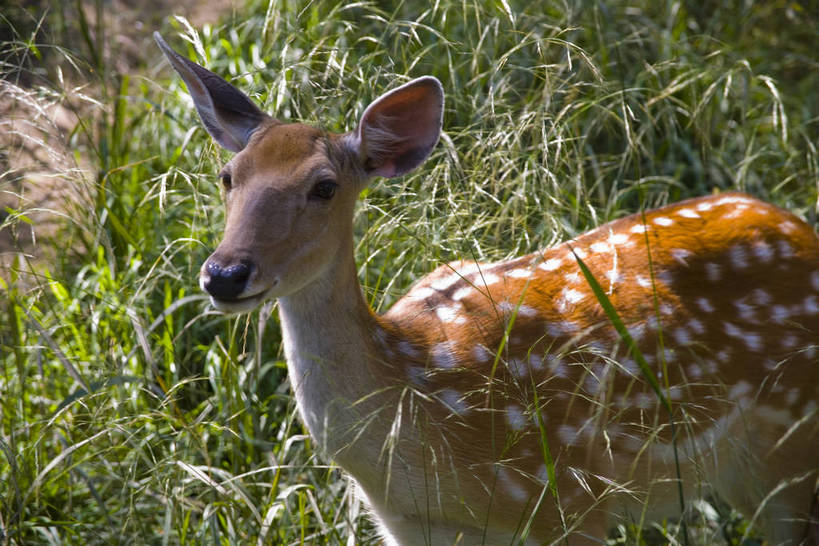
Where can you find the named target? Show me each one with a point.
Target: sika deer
(448, 409)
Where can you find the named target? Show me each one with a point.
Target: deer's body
(430, 365)
(447, 409)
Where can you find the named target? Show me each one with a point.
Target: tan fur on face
(269, 202)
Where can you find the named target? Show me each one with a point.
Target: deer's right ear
(228, 114)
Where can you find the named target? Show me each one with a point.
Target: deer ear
(228, 114)
(399, 130)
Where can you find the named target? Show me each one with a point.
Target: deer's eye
(227, 183)
(324, 190)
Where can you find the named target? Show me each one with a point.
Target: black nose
(226, 283)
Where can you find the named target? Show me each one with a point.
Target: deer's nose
(226, 283)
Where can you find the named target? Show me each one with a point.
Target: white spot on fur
(449, 313)
(573, 296)
(618, 238)
(408, 349)
(572, 278)
(713, 272)
(579, 252)
(554, 329)
(613, 276)
(521, 310)
(814, 280)
(811, 305)
(517, 368)
(779, 313)
(637, 331)
(591, 383)
(486, 279)
(789, 342)
(461, 293)
(422, 293)
(760, 297)
(787, 227)
(704, 207)
(644, 400)
(746, 312)
(638, 228)
(705, 305)
(771, 365)
(681, 255)
(785, 249)
(732, 330)
(550, 264)
(543, 474)
(417, 375)
(481, 354)
(738, 256)
(688, 213)
(645, 282)
(763, 252)
(556, 366)
(751, 339)
(630, 366)
(520, 273)
(468, 269)
(663, 221)
(665, 276)
(696, 326)
(739, 390)
(508, 483)
(682, 336)
(454, 401)
(600, 247)
(733, 199)
(724, 356)
(736, 213)
(443, 355)
(567, 434)
(445, 282)
(515, 417)
(535, 362)
(562, 328)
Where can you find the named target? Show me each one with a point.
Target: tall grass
(131, 412)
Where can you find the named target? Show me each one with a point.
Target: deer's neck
(327, 333)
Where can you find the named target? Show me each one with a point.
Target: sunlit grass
(557, 120)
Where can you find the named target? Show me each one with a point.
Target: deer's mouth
(240, 305)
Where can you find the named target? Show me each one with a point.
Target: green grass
(131, 412)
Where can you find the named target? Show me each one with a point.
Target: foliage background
(133, 413)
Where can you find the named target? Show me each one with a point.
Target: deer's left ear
(399, 130)
(228, 114)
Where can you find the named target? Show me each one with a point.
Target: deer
(498, 403)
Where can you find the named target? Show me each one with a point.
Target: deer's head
(290, 190)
